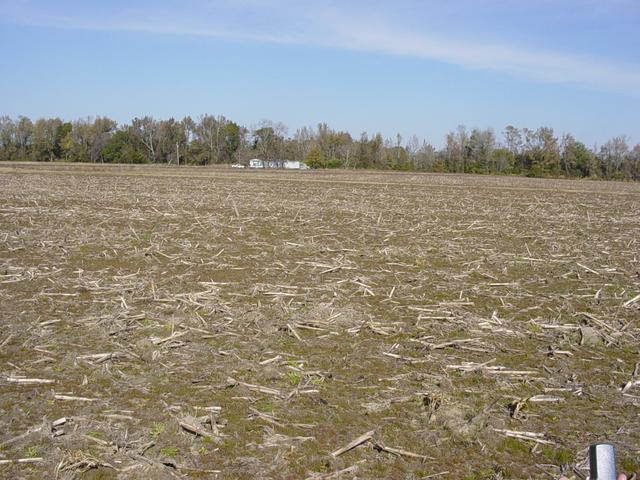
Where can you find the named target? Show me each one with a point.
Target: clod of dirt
(453, 418)
(590, 337)
(271, 373)
(144, 348)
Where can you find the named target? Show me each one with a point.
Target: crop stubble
(207, 323)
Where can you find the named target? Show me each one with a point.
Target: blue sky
(410, 66)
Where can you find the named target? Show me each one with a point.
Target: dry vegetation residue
(164, 323)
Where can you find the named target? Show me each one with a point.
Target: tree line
(217, 140)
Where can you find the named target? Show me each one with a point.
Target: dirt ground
(162, 322)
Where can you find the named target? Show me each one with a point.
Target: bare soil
(162, 322)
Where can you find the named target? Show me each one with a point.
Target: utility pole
(178, 153)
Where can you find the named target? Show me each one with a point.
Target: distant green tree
(8, 147)
(362, 156)
(44, 139)
(231, 138)
(315, 158)
(540, 155)
(124, 147)
(480, 146)
(503, 160)
(66, 146)
(334, 163)
(577, 159)
(62, 132)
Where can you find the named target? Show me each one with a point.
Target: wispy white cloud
(347, 28)
(539, 65)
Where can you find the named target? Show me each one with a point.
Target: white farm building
(285, 164)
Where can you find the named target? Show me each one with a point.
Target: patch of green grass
(513, 446)
(32, 452)
(629, 465)
(227, 448)
(265, 406)
(157, 429)
(557, 456)
(320, 466)
(294, 378)
(534, 328)
(169, 451)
